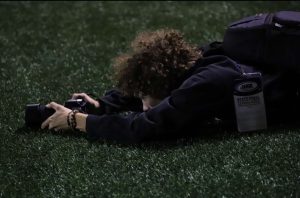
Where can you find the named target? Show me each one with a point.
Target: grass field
(49, 50)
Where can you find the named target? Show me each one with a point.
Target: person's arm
(114, 101)
(81, 121)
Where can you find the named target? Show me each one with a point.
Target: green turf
(50, 50)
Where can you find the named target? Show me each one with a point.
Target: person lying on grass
(169, 87)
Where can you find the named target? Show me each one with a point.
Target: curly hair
(155, 64)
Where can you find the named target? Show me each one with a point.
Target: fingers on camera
(54, 106)
(77, 95)
(45, 124)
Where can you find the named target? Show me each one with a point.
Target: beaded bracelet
(74, 119)
(71, 119)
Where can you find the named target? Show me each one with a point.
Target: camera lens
(36, 114)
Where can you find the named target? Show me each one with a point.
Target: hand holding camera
(86, 98)
(55, 115)
(57, 121)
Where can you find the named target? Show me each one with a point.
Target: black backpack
(270, 41)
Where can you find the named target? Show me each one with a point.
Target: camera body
(36, 114)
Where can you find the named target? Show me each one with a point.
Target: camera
(36, 114)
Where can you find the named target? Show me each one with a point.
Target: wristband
(71, 119)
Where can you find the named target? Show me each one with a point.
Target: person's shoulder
(215, 61)
(212, 71)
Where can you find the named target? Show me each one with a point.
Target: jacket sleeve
(114, 101)
(198, 97)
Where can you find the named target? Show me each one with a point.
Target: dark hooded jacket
(205, 93)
